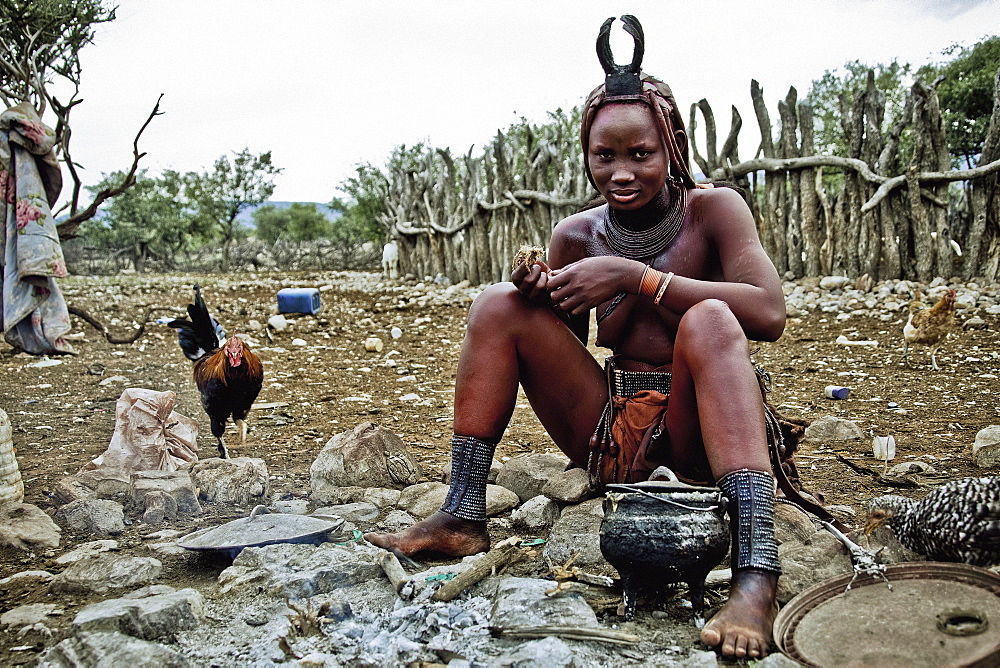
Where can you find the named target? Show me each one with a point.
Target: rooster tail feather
(201, 333)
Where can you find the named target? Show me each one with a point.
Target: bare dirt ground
(63, 415)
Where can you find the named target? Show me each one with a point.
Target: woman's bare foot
(743, 626)
(440, 534)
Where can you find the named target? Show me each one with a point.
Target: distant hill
(245, 219)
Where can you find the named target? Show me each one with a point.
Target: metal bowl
(261, 528)
(936, 614)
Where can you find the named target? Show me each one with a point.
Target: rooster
(228, 375)
(930, 326)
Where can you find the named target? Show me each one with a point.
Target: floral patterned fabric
(34, 316)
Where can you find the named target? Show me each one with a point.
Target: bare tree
(40, 42)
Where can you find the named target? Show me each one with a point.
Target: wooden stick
(572, 632)
(502, 554)
(891, 481)
(394, 571)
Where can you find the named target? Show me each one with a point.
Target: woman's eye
(642, 154)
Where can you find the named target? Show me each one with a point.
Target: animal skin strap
(791, 495)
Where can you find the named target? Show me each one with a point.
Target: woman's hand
(532, 282)
(582, 285)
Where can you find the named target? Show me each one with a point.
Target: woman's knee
(501, 305)
(709, 327)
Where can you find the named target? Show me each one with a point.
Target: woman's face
(626, 155)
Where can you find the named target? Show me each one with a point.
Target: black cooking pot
(660, 533)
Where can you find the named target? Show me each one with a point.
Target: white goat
(390, 260)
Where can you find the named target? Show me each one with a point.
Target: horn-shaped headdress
(624, 83)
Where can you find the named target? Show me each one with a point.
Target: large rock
(241, 481)
(804, 564)
(109, 650)
(146, 617)
(829, 428)
(537, 514)
(150, 489)
(571, 486)
(577, 532)
(27, 527)
(422, 499)
(105, 572)
(523, 602)
(292, 570)
(368, 456)
(526, 475)
(93, 516)
(986, 449)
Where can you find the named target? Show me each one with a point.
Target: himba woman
(680, 284)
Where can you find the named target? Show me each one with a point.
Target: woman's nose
(622, 175)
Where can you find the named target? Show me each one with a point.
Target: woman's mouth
(624, 196)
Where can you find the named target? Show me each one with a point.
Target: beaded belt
(627, 383)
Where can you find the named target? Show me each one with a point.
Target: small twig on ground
(891, 481)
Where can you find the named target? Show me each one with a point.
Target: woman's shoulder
(722, 204)
(581, 222)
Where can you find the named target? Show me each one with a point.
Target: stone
(396, 521)
(294, 570)
(178, 485)
(71, 489)
(829, 428)
(357, 512)
(499, 500)
(367, 456)
(975, 322)
(571, 486)
(550, 652)
(106, 572)
(381, 497)
(29, 615)
(805, 564)
(833, 282)
(537, 514)
(93, 516)
(423, 499)
(27, 527)
(526, 475)
(577, 532)
(522, 602)
(776, 660)
(41, 576)
(109, 650)
(85, 550)
(701, 658)
(791, 523)
(278, 323)
(158, 615)
(986, 448)
(240, 481)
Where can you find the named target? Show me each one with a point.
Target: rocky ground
(321, 381)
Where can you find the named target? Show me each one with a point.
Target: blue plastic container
(298, 300)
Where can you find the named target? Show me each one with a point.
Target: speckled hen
(958, 521)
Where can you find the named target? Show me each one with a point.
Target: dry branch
(503, 553)
(103, 329)
(953, 175)
(572, 632)
(67, 229)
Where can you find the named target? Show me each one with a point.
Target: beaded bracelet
(663, 287)
(650, 281)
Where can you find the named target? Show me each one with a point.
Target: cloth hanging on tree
(34, 316)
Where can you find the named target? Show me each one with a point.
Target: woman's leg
(508, 342)
(715, 419)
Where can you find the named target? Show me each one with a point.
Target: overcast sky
(328, 84)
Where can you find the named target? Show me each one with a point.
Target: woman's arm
(750, 286)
